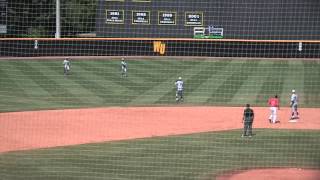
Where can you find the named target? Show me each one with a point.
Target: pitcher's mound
(274, 174)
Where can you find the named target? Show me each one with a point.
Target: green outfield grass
(194, 156)
(40, 84)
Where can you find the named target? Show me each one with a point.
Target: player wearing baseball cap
(124, 68)
(274, 105)
(66, 66)
(294, 105)
(179, 91)
(247, 120)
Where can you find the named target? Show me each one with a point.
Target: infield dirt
(45, 129)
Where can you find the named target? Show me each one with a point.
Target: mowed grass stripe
(210, 69)
(161, 61)
(157, 74)
(225, 93)
(158, 93)
(35, 97)
(8, 86)
(194, 86)
(192, 70)
(31, 88)
(177, 69)
(293, 79)
(106, 75)
(79, 82)
(171, 69)
(219, 76)
(157, 70)
(109, 92)
(57, 89)
(137, 73)
(151, 82)
(204, 88)
(144, 70)
(273, 84)
(27, 94)
(124, 89)
(148, 71)
(113, 73)
(311, 82)
(194, 156)
(248, 91)
(10, 91)
(8, 82)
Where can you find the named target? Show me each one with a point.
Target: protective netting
(227, 53)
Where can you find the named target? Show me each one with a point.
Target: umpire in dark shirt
(248, 116)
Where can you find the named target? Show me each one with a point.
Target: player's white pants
(66, 67)
(294, 110)
(273, 114)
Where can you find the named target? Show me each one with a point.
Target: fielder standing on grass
(179, 91)
(66, 66)
(124, 67)
(294, 105)
(274, 106)
(248, 117)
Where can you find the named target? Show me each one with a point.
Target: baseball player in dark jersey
(248, 116)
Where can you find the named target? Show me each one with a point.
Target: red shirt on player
(273, 102)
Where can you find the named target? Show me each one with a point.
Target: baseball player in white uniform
(123, 68)
(179, 91)
(294, 105)
(66, 66)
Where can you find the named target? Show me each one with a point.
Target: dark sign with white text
(140, 17)
(193, 19)
(167, 18)
(115, 16)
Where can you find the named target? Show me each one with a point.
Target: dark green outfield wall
(25, 48)
(244, 19)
